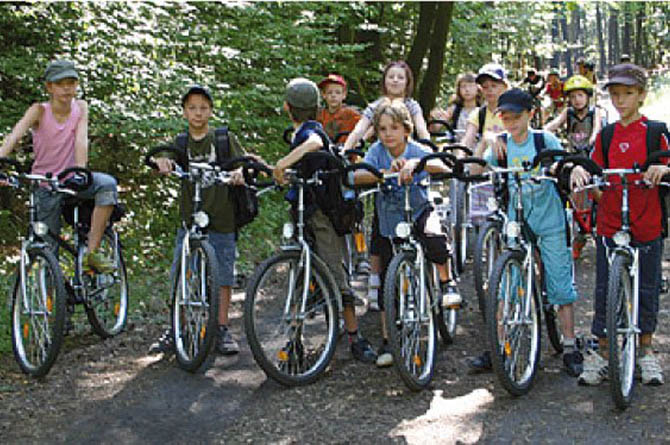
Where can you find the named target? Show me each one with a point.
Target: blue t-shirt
(391, 203)
(543, 208)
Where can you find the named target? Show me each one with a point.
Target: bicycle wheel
(411, 328)
(195, 305)
(460, 229)
(621, 331)
(513, 324)
(107, 306)
(446, 320)
(38, 313)
(487, 249)
(292, 345)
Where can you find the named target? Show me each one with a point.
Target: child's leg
(650, 281)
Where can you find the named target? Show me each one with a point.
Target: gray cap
(626, 74)
(302, 93)
(60, 69)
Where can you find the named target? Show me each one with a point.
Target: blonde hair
(396, 110)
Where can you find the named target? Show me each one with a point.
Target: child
(394, 152)
(397, 83)
(555, 92)
(535, 82)
(628, 145)
(60, 141)
(301, 104)
(465, 100)
(336, 117)
(200, 144)
(544, 214)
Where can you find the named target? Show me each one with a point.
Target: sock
(568, 345)
(373, 285)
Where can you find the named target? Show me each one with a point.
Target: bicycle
(623, 280)
(48, 286)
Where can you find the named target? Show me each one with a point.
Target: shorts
(224, 249)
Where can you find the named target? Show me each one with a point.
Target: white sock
(373, 285)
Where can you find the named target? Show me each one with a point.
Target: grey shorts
(224, 248)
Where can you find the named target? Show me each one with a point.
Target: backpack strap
(482, 119)
(456, 115)
(503, 162)
(538, 142)
(655, 131)
(222, 144)
(606, 136)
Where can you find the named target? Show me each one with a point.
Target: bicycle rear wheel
(460, 228)
(292, 346)
(487, 249)
(411, 328)
(513, 324)
(195, 305)
(107, 308)
(38, 313)
(621, 331)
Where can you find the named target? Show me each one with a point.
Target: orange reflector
(359, 240)
(508, 348)
(188, 274)
(50, 303)
(417, 360)
(405, 285)
(312, 286)
(26, 330)
(282, 356)
(521, 291)
(203, 331)
(117, 309)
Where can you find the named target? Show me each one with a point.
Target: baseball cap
(515, 100)
(626, 74)
(197, 89)
(492, 70)
(333, 78)
(60, 69)
(302, 93)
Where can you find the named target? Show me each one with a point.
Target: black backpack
(655, 130)
(457, 114)
(482, 120)
(243, 198)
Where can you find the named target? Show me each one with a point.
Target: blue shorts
(224, 248)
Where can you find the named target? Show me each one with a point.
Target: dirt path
(113, 393)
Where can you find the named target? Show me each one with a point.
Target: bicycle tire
(107, 310)
(549, 311)
(292, 351)
(509, 273)
(195, 315)
(43, 334)
(446, 320)
(460, 229)
(415, 363)
(487, 248)
(622, 345)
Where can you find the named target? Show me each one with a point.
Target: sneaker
(574, 363)
(450, 294)
(384, 356)
(98, 262)
(164, 345)
(595, 370)
(225, 343)
(363, 352)
(480, 364)
(651, 371)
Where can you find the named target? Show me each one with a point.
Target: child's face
(553, 79)
(63, 89)
(334, 95)
(468, 90)
(627, 99)
(392, 134)
(578, 99)
(515, 123)
(395, 82)
(197, 111)
(492, 89)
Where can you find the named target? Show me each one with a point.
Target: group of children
(483, 107)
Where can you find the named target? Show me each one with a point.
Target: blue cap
(515, 100)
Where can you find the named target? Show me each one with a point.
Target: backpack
(572, 116)
(243, 198)
(482, 120)
(655, 129)
(457, 114)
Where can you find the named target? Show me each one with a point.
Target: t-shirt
(216, 201)
(343, 120)
(492, 122)
(412, 105)
(543, 209)
(579, 130)
(391, 203)
(556, 94)
(628, 146)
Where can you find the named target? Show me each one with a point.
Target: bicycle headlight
(40, 228)
(492, 204)
(513, 229)
(621, 238)
(201, 219)
(403, 229)
(288, 230)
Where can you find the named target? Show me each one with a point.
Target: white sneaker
(652, 374)
(450, 295)
(595, 370)
(384, 357)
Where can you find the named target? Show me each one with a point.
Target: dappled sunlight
(448, 420)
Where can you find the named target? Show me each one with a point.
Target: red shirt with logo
(628, 147)
(342, 120)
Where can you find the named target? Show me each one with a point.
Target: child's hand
(236, 177)
(278, 173)
(655, 173)
(406, 173)
(500, 149)
(579, 177)
(398, 164)
(165, 165)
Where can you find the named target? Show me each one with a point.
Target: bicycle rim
(487, 250)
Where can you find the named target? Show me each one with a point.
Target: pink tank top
(53, 142)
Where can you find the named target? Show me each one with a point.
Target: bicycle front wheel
(107, 308)
(38, 313)
(513, 324)
(410, 322)
(460, 230)
(291, 329)
(621, 331)
(487, 249)
(195, 305)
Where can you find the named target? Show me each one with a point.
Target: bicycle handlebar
(551, 155)
(181, 155)
(447, 159)
(73, 182)
(472, 178)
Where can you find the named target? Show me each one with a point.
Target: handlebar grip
(458, 147)
(586, 163)
(450, 130)
(447, 159)
(429, 143)
(73, 183)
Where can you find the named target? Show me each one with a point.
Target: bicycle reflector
(403, 229)
(201, 219)
(40, 228)
(513, 229)
(492, 204)
(621, 238)
(288, 230)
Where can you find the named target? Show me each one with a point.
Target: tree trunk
(639, 17)
(431, 81)
(427, 14)
(566, 39)
(555, 37)
(625, 41)
(615, 52)
(601, 40)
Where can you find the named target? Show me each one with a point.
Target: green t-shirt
(215, 199)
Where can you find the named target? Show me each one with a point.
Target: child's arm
(557, 122)
(359, 131)
(313, 143)
(597, 125)
(420, 126)
(30, 119)
(81, 137)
